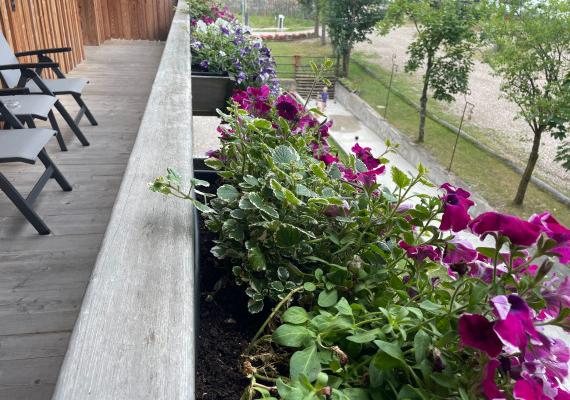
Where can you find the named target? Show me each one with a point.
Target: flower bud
(342, 357)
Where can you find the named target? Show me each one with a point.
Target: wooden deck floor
(43, 279)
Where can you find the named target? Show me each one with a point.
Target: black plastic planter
(210, 92)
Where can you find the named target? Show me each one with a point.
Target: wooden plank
(43, 279)
(144, 273)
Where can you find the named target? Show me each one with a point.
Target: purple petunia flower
(455, 209)
(288, 107)
(204, 64)
(477, 332)
(519, 232)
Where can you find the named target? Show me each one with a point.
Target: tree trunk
(527, 174)
(424, 100)
(317, 17)
(323, 34)
(345, 63)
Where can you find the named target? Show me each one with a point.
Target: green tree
(349, 22)
(443, 46)
(531, 55)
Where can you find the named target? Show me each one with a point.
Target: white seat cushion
(23, 144)
(60, 86)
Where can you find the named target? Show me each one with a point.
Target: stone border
(558, 195)
(134, 337)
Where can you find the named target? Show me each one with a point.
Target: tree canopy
(532, 56)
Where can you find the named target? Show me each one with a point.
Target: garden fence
(289, 8)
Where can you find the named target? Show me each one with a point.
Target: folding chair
(28, 108)
(18, 75)
(27, 145)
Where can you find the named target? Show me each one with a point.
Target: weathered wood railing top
(134, 335)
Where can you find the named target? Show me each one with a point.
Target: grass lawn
(291, 23)
(485, 174)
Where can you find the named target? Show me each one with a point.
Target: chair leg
(71, 123)
(58, 135)
(57, 175)
(22, 205)
(84, 107)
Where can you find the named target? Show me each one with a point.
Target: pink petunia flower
(364, 154)
(490, 388)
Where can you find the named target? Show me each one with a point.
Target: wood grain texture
(43, 279)
(134, 335)
(39, 24)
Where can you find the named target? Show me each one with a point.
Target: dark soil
(225, 330)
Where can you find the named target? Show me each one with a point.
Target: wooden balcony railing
(134, 337)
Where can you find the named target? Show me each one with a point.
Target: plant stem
(271, 316)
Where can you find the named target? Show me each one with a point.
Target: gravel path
(512, 138)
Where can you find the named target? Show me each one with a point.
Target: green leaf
(366, 336)
(291, 335)
(309, 286)
(318, 171)
(392, 349)
(288, 236)
(214, 163)
(291, 198)
(400, 178)
(285, 155)
(422, 342)
(295, 315)
(203, 208)
(306, 363)
(356, 394)
(360, 166)
(328, 298)
(257, 201)
(256, 259)
(431, 307)
(262, 123)
(228, 193)
(254, 306)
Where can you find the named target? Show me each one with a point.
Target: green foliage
(349, 22)
(444, 44)
(531, 44)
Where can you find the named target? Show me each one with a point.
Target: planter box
(210, 92)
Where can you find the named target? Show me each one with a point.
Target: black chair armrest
(28, 66)
(43, 51)
(14, 91)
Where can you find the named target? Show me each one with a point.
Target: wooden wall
(37, 24)
(126, 19)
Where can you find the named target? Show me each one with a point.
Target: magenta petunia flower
(459, 251)
(421, 252)
(529, 389)
(364, 154)
(556, 297)
(241, 97)
(368, 178)
(490, 388)
(477, 332)
(514, 326)
(456, 204)
(556, 231)
(288, 107)
(519, 232)
(548, 362)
